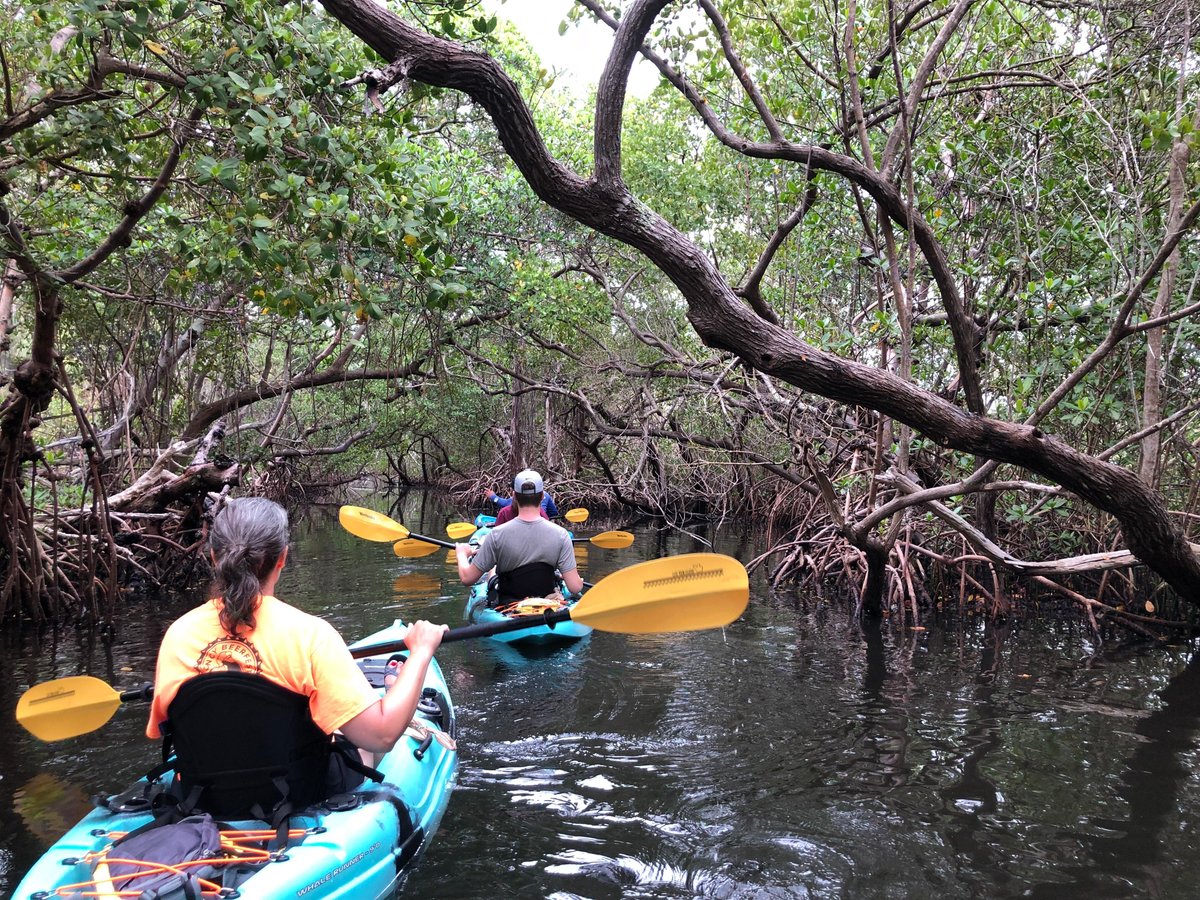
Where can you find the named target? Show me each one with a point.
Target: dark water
(789, 755)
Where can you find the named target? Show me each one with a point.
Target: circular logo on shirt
(229, 654)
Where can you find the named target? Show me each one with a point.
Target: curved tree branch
(881, 190)
(92, 89)
(209, 413)
(715, 311)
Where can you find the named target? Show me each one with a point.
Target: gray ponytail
(246, 539)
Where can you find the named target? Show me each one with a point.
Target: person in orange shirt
(244, 627)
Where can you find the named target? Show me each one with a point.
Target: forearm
(573, 581)
(400, 702)
(377, 728)
(468, 572)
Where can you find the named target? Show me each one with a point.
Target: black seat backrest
(249, 745)
(531, 580)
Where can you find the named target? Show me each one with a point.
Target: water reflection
(416, 585)
(971, 798)
(48, 806)
(1131, 852)
(883, 713)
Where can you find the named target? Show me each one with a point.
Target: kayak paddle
(458, 530)
(691, 592)
(411, 548)
(374, 526)
(66, 707)
(609, 540)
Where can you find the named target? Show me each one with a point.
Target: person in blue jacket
(548, 505)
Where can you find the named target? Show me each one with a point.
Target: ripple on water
(608, 843)
(637, 876)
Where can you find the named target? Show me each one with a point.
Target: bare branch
(739, 69)
(924, 71)
(1120, 328)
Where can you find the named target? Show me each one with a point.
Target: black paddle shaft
(484, 629)
(144, 693)
(430, 540)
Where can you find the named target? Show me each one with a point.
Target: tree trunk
(876, 554)
(29, 395)
(1155, 339)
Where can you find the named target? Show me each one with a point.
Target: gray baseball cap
(527, 482)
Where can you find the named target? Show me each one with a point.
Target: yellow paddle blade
(612, 540)
(679, 593)
(410, 548)
(577, 515)
(460, 530)
(371, 525)
(66, 707)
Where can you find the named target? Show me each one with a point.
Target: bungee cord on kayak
(532, 606)
(237, 847)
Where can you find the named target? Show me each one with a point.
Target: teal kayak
(479, 613)
(357, 852)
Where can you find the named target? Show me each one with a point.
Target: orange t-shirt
(290, 647)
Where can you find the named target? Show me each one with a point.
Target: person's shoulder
(195, 615)
(292, 615)
(514, 526)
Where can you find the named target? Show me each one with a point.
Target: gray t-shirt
(518, 543)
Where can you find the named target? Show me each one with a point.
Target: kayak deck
(478, 612)
(358, 852)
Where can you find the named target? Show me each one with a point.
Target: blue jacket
(547, 503)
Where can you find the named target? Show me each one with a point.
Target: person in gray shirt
(525, 552)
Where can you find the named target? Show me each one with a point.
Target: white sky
(579, 54)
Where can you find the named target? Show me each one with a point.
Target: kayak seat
(247, 747)
(532, 580)
(244, 746)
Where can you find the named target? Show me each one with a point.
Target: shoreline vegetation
(159, 552)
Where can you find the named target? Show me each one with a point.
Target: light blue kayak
(354, 853)
(477, 611)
